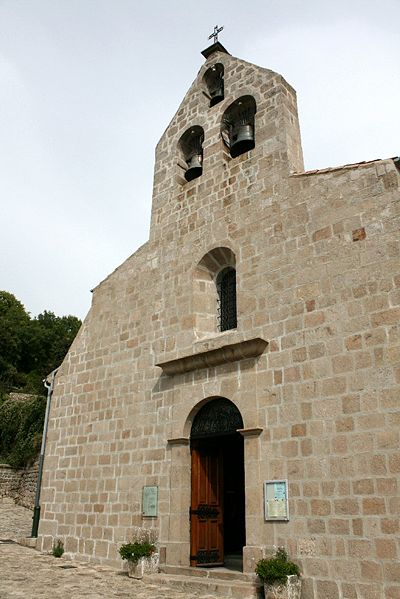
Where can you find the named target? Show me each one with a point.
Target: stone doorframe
(178, 533)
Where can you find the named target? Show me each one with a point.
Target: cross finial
(215, 34)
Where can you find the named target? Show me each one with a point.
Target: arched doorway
(217, 511)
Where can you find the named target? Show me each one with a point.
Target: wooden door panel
(206, 507)
(202, 535)
(214, 535)
(214, 475)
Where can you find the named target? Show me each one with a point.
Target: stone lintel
(250, 432)
(217, 47)
(214, 357)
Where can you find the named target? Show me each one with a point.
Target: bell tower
(236, 134)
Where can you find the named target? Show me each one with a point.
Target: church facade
(234, 387)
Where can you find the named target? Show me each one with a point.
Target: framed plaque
(150, 502)
(276, 504)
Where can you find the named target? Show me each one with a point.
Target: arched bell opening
(237, 129)
(191, 149)
(217, 509)
(214, 81)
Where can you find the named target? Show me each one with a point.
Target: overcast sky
(87, 88)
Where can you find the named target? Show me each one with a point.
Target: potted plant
(280, 576)
(141, 556)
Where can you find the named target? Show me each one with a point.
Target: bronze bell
(242, 140)
(195, 168)
(217, 94)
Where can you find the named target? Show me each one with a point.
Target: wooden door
(206, 510)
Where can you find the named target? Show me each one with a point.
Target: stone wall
(20, 485)
(318, 278)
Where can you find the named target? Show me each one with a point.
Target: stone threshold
(220, 582)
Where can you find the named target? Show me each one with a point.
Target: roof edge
(396, 161)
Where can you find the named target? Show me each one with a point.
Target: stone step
(27, 541)
(209, 585)
(220, 572)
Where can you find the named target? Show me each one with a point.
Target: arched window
(214, 292)
(191, 148)
(226, 288)
(214, 80)
(237, 127)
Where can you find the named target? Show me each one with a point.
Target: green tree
(30, 348)
(48, 340)
(14, 321)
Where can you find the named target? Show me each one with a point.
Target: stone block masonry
(317, 261)
(19, 484)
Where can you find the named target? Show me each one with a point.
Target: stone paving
(15, 520)
(28, 574)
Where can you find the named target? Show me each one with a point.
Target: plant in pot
(280, 576)
(141, 556)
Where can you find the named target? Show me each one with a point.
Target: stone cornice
(214, 357)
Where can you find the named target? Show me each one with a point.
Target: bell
(242, 140)
(217, 94)
(195, 168)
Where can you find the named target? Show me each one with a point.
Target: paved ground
(28, 574)
(15, 521)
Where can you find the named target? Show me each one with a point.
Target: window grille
(226, 287)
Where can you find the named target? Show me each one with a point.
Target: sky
(87, 87)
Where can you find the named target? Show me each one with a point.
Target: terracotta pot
(145, 565)
(290, 590)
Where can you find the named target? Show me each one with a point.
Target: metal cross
(215, 34)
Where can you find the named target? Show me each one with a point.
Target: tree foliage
(21, 426)
(30, 348)
(14, 322)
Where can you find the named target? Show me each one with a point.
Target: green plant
(31, 348)
(134, 551)
(58, 548)
(277, 568)
(21, 425)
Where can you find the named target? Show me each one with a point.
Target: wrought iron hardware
(219, 417)
(204, 511)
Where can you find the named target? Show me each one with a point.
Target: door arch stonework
(217, 504)
(217, 417)
(177, 540)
